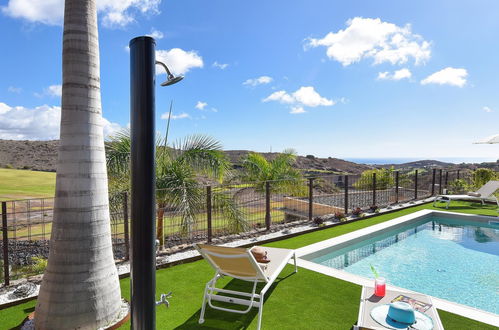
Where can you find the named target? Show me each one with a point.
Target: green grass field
(305, 300)
(21, 184)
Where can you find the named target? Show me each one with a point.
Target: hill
(309, 164)
(42, 156)
(32, 155)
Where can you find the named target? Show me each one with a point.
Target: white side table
(368, 301)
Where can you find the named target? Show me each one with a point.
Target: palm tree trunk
(159, 231)
(80, 287)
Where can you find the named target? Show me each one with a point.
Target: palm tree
(80, 287)
(280, 171)
(177, 169)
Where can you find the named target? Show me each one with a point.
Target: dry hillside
(42, 156)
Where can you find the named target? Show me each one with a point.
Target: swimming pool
(447, 256)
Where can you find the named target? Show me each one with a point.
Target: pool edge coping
(446, 305)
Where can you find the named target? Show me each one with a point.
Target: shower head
(171, 79)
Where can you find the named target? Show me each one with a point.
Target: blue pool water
(443, 257)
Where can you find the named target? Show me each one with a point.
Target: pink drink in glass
(379, 287)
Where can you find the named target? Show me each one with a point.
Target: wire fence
(208, 213)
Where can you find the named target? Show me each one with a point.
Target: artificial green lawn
(21, 184)
(305, 300)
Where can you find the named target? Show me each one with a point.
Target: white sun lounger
(240, 263)
(484, 194)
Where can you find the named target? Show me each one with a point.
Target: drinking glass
(380, 286)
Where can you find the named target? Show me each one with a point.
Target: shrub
(374, 208)
(310, 156)
(9, 166)
(458, 187)
(37, 267)
(339, 215)
(357, 211)
(483, 175)
(325, 186)
(318, 221)
(384, 179)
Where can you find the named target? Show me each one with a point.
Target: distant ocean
(381, 161)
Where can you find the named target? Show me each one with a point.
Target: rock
(23, 290)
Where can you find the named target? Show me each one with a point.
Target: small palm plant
(177, 170)
(257, 169)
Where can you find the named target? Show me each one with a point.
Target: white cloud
(40, 123)
(262, 80)
(344, 100)
(280, 96)
(304, 96)
(110, 128)
(182, 115)
(487, 109)
(310, 98)
(113, 12)
(13, 89)
(201, 105)
(297, 110)
(397, 75)
(383, 75)
(373, 38)
(156, 34)
(178, 60)
(221, 66)
(54, 90)
(447, 76)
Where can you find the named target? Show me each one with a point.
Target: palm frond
(118, 152)
(225, 204)
(204, 154)
(178, 189)
(256, 167)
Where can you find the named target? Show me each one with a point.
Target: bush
(483, 175)
(325, 186)
(37, 267)
(374, 208)
(340, 216)
(384, 179)
(357, 211)
(318, 221)
(459, 186)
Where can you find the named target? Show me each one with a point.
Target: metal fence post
(346, 195)
(267, 205)
(440, 182)
(397, 187)
(458, 174)
(125, 224)
(446, 178)
(310, 198)
(374, 189)
(208, 213)
(416, 184)
(433, 181)
(5, 238)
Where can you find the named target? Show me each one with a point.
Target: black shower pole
(142, 114)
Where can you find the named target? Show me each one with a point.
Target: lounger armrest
(474, 194)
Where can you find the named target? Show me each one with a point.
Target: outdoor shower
(143, 183)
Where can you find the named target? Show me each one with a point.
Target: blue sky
(342, 79)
